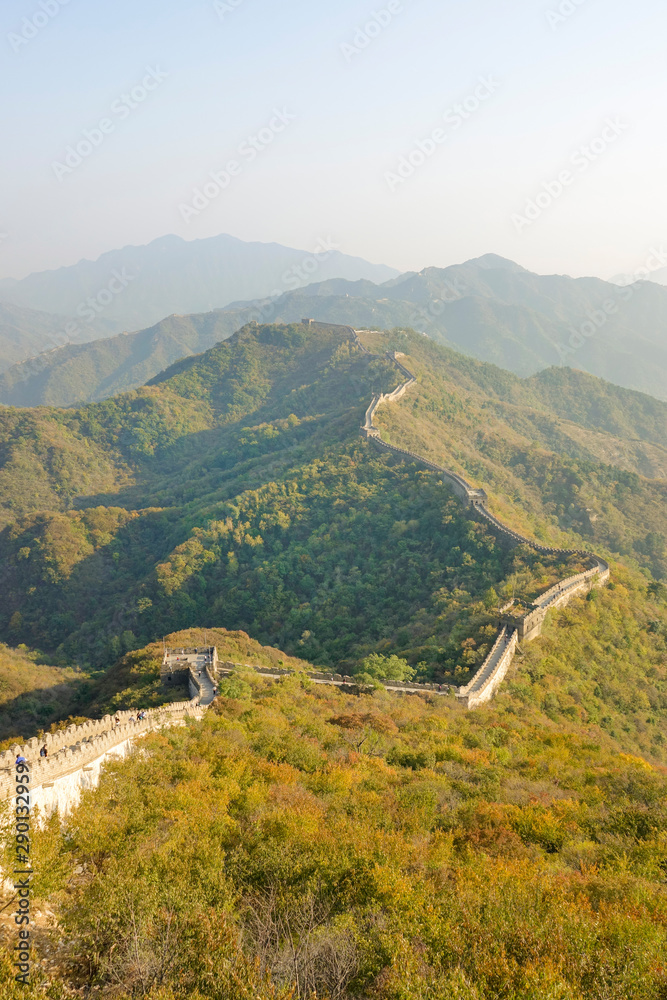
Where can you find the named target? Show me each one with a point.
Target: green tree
(491, 598)
(385, 668)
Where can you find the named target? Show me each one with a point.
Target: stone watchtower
(527, 622)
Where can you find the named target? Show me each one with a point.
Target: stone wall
(337, 680)
(491, 674)
(76, 754)
(457, 483)
(517, 626)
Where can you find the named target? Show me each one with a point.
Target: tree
(490, 599)
(385, 668)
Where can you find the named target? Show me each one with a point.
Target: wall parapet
(71, 749)
(493, 671)
(337, 680)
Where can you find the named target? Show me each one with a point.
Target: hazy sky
(201, 78)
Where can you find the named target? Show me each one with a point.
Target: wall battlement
(75, 754)
(339, 680)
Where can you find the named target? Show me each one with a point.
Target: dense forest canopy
(301, 841)
(235, 490)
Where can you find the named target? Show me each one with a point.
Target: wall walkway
(76, 754)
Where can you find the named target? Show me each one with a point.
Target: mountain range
(516, 850)
(489, 308)
(26, 333)
(194, 496)
(134, 287)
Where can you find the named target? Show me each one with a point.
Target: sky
(413, 133)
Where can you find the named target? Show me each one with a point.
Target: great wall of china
(518, 624)
(77, 754)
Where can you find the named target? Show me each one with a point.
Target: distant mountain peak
(490, 261)
(173, 275)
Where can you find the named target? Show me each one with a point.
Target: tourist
(44, 752)
(20, 759)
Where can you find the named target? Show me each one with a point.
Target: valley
(235, 489)
(254, 490)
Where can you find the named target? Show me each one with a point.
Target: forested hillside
(488, 308)
(25, 333)
(235, 491)
(302, 841)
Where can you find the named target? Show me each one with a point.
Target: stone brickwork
(76, 754)
(491, 674)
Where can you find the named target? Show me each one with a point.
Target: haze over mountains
(25, 333)
(136, 286)
(489, 308)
